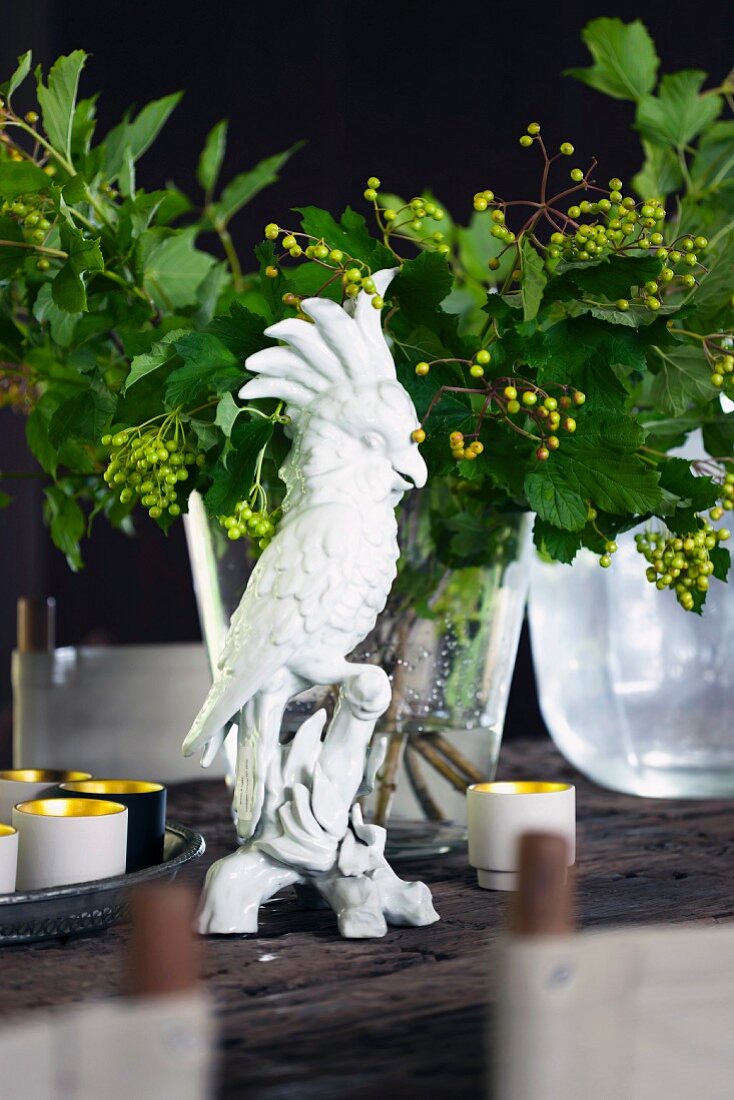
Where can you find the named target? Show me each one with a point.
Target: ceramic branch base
(312, 834)
(364, 904)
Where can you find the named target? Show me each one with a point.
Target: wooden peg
(162, 958)
(36, 624)
(542, 905)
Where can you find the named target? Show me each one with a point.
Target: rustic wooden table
(305, 1015)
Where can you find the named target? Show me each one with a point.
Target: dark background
(416, 93)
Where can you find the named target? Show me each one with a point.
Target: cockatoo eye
(373, 440)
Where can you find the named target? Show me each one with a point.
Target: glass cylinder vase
(447, 638)
(636, 692)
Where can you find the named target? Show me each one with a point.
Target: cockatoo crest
(345, 344)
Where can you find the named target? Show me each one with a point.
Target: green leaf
(244, 187)
(161, 353)
(11, 259)
(61, 323)
(67, 523)
(533, 280)
(132, 139)
(227, 412)
(173, 269)
(39, 444)
(85, 253)
(208, 367)
(422, 285)
(684, 379)
(209, 292)
(231, 481)
(715, 287)
(625, 62)
(210, 161)
(350, 234)
(714, 159)
(82, 131)
(678, 112)
(614, 481)
(554, 498)
(554, 543)
(718, 435)
(21, 178)
(721, 559)
(68, 290)
(476, 247)
(5, 500)
(83, 417)
(24, 67)
(692, 492)
(611, 278)
(241, 332)
(661, 173)
(58, 99)
(126, 175)
(591, 356)
(75, 189)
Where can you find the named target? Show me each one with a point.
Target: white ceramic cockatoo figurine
(312, 597)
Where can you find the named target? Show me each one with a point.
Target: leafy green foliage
(678, 113)
(112, 312)
(553, 362)
(57, 99)
(625, 61)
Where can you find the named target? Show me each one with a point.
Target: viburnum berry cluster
(148, 463)
(519, 403)
(606, 223)
(406, 221)
(355, 274)
(258, 524)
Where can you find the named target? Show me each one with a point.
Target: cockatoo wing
(292, 592)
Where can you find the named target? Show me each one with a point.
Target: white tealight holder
(66, 840)
(499, 814)
(8, 858)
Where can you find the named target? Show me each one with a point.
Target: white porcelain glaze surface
(58, 851)
(8, 858)
(313, 596)
(498, 814)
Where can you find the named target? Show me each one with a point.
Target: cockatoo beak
(410, 463)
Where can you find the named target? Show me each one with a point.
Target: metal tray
(63, 911)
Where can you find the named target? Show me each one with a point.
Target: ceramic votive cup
(67, 840)
(25, 784)
(146, 814)
(8, 858)
(498, 814)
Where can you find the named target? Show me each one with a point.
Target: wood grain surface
(305, 1015)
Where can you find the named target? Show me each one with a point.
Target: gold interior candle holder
(42, 775)
(524, 786)
(70, 807)
(112, 786)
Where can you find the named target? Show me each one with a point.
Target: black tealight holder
(146, 814)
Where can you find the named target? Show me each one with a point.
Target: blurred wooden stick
(542, 904)
(414, 772)
(163, 957)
